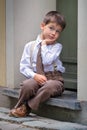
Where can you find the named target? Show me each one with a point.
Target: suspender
(31, 51)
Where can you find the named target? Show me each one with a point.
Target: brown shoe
(21, 111)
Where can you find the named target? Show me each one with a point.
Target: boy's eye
(58, 31)
(51, 28)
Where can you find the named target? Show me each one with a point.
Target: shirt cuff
(33, 74)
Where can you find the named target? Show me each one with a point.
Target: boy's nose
(54, 32)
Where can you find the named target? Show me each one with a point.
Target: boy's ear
(42, 25)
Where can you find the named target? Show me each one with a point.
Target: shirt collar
(38, 40)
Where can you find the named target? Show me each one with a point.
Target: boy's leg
(51, 88)
(28, 89)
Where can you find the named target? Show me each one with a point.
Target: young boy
(40, 86)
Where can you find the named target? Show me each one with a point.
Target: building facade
(19, 23)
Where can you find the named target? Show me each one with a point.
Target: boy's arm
(25, 64)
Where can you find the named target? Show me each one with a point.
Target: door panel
(69, 40)
(2, 44)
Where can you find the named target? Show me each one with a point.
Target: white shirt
(50, 56)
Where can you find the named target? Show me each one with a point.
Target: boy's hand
(41, 79)
(47, 42)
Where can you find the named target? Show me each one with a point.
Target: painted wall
(82, 49)
(23, 19)
(2, 44)
(9, 43)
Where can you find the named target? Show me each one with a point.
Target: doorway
(69, 40)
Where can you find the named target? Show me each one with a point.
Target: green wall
(69, 40)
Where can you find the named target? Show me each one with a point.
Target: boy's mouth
(51, 37)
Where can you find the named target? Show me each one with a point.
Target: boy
(41, 85)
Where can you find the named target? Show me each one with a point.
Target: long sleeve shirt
(50, 57)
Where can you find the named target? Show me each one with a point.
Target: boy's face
(50, 32)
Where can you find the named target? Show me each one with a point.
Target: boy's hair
(54, 16)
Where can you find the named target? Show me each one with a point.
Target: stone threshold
(68, 99)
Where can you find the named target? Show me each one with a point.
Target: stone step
(64, 108)
(67, 100)
(34, 122)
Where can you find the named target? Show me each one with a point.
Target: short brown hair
(54, 16)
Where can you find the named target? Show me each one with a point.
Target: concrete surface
(34, 122)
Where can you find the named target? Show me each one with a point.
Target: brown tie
(39, 65)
